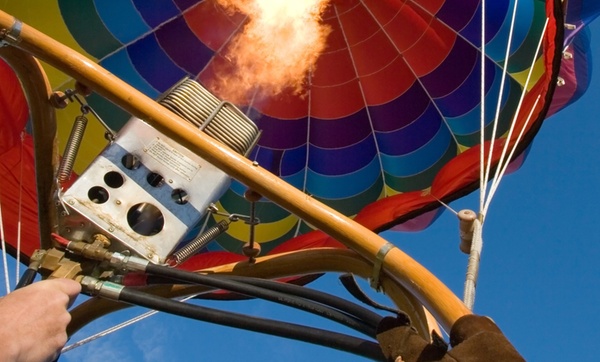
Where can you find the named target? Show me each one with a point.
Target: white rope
(108, 331)
(477, 243)
(488, 164)
(448, 207)
(473, 263)
(482, 114)
(473, 266)
(4, 259)
(519, 137)
(505, 165)
(20, 211)
(117, 327)
(504, 161)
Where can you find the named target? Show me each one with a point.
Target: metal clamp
(212, 208)
(12, 35)
(374, 281)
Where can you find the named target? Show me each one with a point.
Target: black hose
(317, 336)
(274, 296)
(352, 287)
(366, 315)
(27, 278)
(300, 281)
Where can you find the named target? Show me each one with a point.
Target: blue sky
(539, 278)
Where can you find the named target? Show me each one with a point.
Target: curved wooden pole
(37, 91)
(294, 263)
(436, 297)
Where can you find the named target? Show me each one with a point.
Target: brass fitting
(54, 262)
(95, 250)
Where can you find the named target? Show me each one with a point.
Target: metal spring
(71, 149)
(196, 104)
(198, 243)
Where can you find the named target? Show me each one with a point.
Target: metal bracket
(212, 208)
(12, 35)
(374, 281)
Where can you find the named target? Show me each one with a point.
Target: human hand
(33, 320)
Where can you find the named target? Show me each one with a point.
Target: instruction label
(173, 159)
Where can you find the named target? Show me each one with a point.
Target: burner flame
(277, 49)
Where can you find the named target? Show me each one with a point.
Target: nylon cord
(482, 114)
(4, 259)
(488, 165)
(448, 207)
(117, 327)
(473, 266)
(20, 212)
(485, 167)
(496, 182)
(504, 161)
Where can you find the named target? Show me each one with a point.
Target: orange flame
(279, 45)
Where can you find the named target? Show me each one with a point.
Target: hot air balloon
(381, 156)
(385, 127)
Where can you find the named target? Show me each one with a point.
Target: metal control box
(144, 191)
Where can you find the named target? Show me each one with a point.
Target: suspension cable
(3, 243)
(482, 113)
(20, 211)
(117, 327)
(488, 164)
(504, 161)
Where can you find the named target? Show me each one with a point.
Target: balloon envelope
(388, 121)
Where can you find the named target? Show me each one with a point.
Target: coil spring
(198, 243)
(71, 149)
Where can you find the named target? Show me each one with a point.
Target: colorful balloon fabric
(389, 122)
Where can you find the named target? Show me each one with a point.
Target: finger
(67, 286)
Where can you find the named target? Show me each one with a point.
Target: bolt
(71, 202)
(118, 202)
